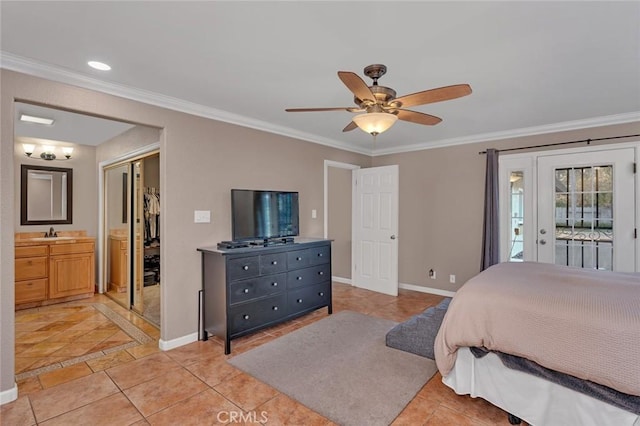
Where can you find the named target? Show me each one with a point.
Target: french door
(573, 208)
(375, 229)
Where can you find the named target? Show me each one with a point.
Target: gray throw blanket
(621, 400)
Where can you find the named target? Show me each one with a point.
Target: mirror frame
(24, 192)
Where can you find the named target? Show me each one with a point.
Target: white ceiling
(534, 67)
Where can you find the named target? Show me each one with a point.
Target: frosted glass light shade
(67, 151)
(375, 122)
(28, 148)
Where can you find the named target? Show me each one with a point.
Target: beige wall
(339, 220)
(200, 161)
(442, 201)
(85, 195)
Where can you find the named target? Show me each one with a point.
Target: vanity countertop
(23, 239)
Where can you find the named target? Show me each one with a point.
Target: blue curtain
(491, 231)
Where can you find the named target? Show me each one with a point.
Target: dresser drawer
(319, 255)
(31, 267)
(244, 267)
(298, 259)
(309, 297)
(253, 288)
(250, 315)
(31, 251)
(309, 276)
(71, 248)
(31, 291)
(273, 263)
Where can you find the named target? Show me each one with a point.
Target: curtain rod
(588, 141)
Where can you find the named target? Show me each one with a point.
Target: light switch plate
(314, 214)
(202, 216)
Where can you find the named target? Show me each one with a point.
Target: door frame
(527, 162)
(101, 247)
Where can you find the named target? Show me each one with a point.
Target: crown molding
(23, 65)
(518, 133)
(27, 66)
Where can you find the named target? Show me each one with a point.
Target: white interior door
(586, 210)
(375, 229)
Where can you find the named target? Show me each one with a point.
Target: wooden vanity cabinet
(71, 269)
(31, 270)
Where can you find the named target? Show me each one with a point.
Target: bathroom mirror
(46, 195)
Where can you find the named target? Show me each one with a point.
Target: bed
(579, 324)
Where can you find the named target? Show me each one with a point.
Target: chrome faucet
(51, 233)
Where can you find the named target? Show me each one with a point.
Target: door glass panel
(138, 231)
(583, 217)
(516, 181)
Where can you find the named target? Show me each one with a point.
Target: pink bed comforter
(580, 322)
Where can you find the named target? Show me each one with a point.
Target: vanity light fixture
(48, 152)
(99, 65)
(36, 120)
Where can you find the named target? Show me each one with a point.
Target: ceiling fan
(379, 106)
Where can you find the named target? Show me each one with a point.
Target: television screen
(263, 214)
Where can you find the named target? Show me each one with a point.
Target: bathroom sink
(52, 238)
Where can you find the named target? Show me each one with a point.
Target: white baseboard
(167, 345)
(342, 280)
(9, 395)
(429, 290)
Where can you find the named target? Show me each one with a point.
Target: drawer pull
(245, 316)
(321, 294)
(321, 273)
(299, 300)
(299, 278)
(275, 308)
(275, 262)
(319, 254)
(246, 290)
(245, 267)
(298, 258)
(274, 284)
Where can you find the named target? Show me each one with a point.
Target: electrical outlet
(452, 278)
(202, 216)
(314, 214)
(432, 274)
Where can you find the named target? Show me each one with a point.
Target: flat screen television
(263, 215)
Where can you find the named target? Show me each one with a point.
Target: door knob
(393, 237)
(543, 231)
(543, 242)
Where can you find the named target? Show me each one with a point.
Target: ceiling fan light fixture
(375, 122)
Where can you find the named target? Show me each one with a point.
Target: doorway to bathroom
(132, 197)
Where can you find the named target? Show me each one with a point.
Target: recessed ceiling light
(37, 120)
(99, 65)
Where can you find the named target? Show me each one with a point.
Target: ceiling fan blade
(350, 127)
(434, 95)
(350, 109)
(356, 85)
(418, 117)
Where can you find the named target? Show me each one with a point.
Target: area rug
(341, 368)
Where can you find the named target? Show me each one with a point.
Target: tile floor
(193, 384)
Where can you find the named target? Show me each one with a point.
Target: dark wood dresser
(248, 289)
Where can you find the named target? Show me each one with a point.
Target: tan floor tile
(17, 413)
(417, 412)
(63, 375)
(142, 351)
(28, 386)
(66, 336)
(283, 410)
(193, 352)
(43, 349)
(112, 410)
(33, 337)
(208, 407)
(75, 349)
(60, 399)
(213, 372)
(444, 416)
(245, 391)
(141, 370)
(162, 392)
(110, 360)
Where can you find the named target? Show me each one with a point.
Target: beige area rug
(57, 336)
(341, 368)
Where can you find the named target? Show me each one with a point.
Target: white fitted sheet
(534, 400)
